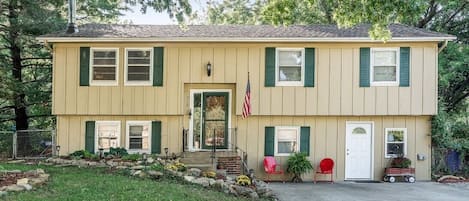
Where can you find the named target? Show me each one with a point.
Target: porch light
(209, 69)
(57, 148)
(166, 152)
(101, 153)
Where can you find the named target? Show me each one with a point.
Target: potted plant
(400, 167)
(298, 164)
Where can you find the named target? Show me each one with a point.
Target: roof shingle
(238, 31)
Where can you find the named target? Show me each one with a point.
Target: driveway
(348, 191)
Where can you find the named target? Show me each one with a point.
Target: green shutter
(89, 136)
(309, 67)
(269, 67)
(84, 66)
(304, 140)
(156, 137)
(404, 74)
(158, 57)
(365, 67)
(269, 141)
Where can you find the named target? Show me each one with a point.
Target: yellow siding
(327, 137)
(336, 90)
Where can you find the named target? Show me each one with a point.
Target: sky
(151, 17)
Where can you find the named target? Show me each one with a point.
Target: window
(138, 64)
(138, 136)
(289, 69)
(107, 134)
(286, 140)
(384, 67)
(395, 142)
(104, 68)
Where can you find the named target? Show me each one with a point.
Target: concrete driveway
(348, 191)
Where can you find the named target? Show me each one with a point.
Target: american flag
(247, 101)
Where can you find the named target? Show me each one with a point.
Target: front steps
(204, 160)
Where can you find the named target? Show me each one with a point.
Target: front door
(209, 121)
(359, 148)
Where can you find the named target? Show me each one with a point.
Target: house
(318, 89)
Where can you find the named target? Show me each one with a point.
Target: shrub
(298, 164)
(131, 157)
(157, 167)
(84, 154)
(400, 162)
(176, 167)
(243, 180)
(209, 174)
(118, 151)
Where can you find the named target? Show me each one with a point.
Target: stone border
(25, 184)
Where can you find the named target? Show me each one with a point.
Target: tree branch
(455, 13)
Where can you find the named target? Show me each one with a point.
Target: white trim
(277, 68)
(127, 136)
(246, 39)
(96, 137)
(372, 61)
(372, 123)
(190, 138)
(104, 82)
(386, 155)
(277, 128)
(126, 62)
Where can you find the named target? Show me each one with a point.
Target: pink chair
(326, 166)
(270, 167)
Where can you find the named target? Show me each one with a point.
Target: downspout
(445, 43)
(72, 27)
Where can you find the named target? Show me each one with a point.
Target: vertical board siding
(336, 88)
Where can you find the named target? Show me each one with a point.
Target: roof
(234, 33)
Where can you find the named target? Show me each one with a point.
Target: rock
(268, 194)
(26, 186)
(189, 178)
(231, 190)
(142, 174)
(230, 178)
(3, 193)
(150, 160)
(221, 173)
(13, 171)
(37, 181)
(40, 171)
(241, 190)
(138, 167)
(155, 174)
(92, 163)
(121, 167)
(64, 165)
(254, 196)
(449, 177)
(202, 181)
(22, 181)
(44, 176)
(211, 181)
(195, 172)
(15, 188)
(179, 174)
(16, 161)
(135, 173)
(30, 163)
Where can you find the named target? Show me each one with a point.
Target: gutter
(227, 39)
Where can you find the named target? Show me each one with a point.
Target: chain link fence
(26, 144)
(446, 161)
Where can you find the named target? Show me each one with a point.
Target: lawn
(72, 183)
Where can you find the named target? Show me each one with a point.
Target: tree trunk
(297, 178)
(21, 117)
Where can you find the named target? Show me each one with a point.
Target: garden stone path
(351, 191)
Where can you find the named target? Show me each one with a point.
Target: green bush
(118, 151)
(401, 162)
(298, 164)
(131, 157)
(157, 167)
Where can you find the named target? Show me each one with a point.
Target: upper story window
(107, 134)
(384, 67)
(138, 66)
(290, 67)
(286, 140)
(104, 66)
(395, 142)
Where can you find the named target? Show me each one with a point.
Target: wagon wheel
(406, 178)
(392, 179)
(385, 178)
(411, 179)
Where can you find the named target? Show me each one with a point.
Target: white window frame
(372, 62)
(127, 136)
(96, 140)
(277, 130)
(138, 83)
(277, 68)
(386, 130)
(103, 82)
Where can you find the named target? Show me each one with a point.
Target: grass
(72, 183)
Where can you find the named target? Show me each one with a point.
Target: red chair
(270, 167)
(326, 166)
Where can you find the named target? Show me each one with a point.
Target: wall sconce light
(166, 152)
(209, 69)
(101, 153)
(57, 148)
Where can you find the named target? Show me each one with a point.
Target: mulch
(7, 179)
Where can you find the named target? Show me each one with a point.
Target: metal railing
(34, 144)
